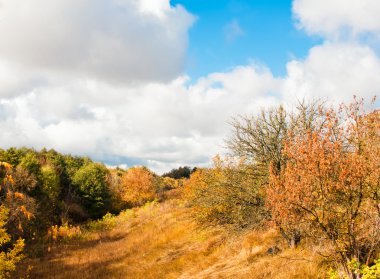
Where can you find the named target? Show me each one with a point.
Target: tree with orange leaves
(329, 187)
(20, 205)
(138, 186)
(9, 257)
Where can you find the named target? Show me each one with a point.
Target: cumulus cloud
(157, 124)
(104, 79)
(119, 41)
(336, 71)
(163, 125)
(337, 18)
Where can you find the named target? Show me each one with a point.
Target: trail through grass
(163, 241)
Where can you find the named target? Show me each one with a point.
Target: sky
(156, 82)
(228, 33)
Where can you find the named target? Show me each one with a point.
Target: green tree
(12, 155)
(181, 172)
(31, 163)
(90, 183)
(50, 183)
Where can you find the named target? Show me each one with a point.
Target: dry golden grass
(163, 241)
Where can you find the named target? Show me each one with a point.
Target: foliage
(329, 185)
(90, 183)
(168, 183)
(358, 270)
(229, 193)
(9, 257)
(20, 206)
(168, 188)
(116, 189)
(181, 172)
(24, 181)
(13, 155)
(30, 163)
(48, 188)
(107, 222)
(261, 138)
(66, 232)
(138, 186)
(371, 272)
(50, 183)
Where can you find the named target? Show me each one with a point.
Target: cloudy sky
(155, 82)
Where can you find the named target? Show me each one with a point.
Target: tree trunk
(293, 238)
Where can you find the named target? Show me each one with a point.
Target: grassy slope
(163, 241)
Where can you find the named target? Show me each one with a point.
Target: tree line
(44, 191)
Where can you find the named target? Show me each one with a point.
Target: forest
(296, 196)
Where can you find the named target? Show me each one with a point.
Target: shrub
(371, 272)
(230, 193)
(9, 257)
(107, 222)
(66, 232)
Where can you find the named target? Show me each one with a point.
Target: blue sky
(268, 35)
(156, 82)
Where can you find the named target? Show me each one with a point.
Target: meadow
(163, 241)
(298, 197)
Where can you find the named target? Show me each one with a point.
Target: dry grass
(162, 241)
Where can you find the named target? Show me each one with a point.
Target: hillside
(162, 241)
(303, 204)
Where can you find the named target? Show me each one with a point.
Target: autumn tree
(138, 186)
(261, 138)
(229, 194)
(329, 186)
(9, 257)
(116, 190)
(167, 183)
(21, 207)
(15, 203)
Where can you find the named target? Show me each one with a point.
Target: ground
(164, 241)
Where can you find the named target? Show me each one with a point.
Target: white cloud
(160, 124)
(158, 7)
(336, 71)
(114, 40)
(164, 125)
(103, 78)
(336, 18)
